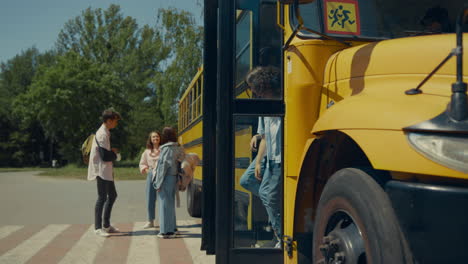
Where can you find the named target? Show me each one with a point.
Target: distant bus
(190, 136)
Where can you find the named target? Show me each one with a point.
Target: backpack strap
(106, 155)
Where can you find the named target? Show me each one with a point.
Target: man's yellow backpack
(86, 148)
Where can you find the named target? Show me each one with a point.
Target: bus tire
(356, 223)
(193, 200)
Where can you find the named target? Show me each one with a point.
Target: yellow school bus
(190, 136)
(190, 123)
(374, 113)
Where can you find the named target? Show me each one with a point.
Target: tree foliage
(185, 37)
(103, 59)
(66, 100)
(20, 142)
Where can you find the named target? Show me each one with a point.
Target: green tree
(67, 99)
(104, 59)
(180, 32)
(20, 142)
(110, 38)
(185, 37)
(181, 40)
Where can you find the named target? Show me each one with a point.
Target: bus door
(209, 98)
(249, 148)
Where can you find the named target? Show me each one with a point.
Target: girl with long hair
(148, 162)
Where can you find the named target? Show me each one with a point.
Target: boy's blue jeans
(166, 196)
(268, 190)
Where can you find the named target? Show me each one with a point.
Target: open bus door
(209, 125)
(239, 36)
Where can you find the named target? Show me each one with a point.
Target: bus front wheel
(355, 223)
(193, 200)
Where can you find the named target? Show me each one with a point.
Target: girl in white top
(148, 162)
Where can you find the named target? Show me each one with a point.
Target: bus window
(243, 46)
(258, 181)
(377, 19)
(311, 12)
(190, 105)
(269, 42)
(200, 87)
(255, 50)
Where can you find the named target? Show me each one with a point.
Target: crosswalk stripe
(59, 246)
(174, 251)
(115, 247)
(85, 249)
(192, 238)
(30, 247)
(77, 244)
(144, 246)
(15, 238)
(7, 230)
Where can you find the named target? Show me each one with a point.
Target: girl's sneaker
(166, 235)
(149, 224)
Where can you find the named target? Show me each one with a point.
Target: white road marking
(86, 249)
(24, 251)
(143, 246)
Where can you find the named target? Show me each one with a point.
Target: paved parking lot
(47, 220)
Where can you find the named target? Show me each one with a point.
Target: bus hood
(365, 90)
(365, 85)
(405, 61)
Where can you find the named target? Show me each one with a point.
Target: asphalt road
(29, 199)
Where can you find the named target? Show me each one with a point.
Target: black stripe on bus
(194, 142)
(241, 163)
(200, 140)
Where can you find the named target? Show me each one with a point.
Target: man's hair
(262, 79)
(168, 135)
(110, 114)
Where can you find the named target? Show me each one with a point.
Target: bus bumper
(434, 219)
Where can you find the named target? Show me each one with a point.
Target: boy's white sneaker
(111, 229)
(101, 232)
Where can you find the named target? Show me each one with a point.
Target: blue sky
(27, 23)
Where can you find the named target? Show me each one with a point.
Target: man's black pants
(106, 198)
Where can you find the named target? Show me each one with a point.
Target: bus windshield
(380, 19)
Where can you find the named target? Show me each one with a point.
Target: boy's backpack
(86, 148)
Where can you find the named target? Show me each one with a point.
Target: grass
(18, 169)
(75, 172)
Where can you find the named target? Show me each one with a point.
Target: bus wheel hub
(344, 244)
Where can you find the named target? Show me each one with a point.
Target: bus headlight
(448, 150)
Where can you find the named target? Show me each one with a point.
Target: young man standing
(101, 168)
